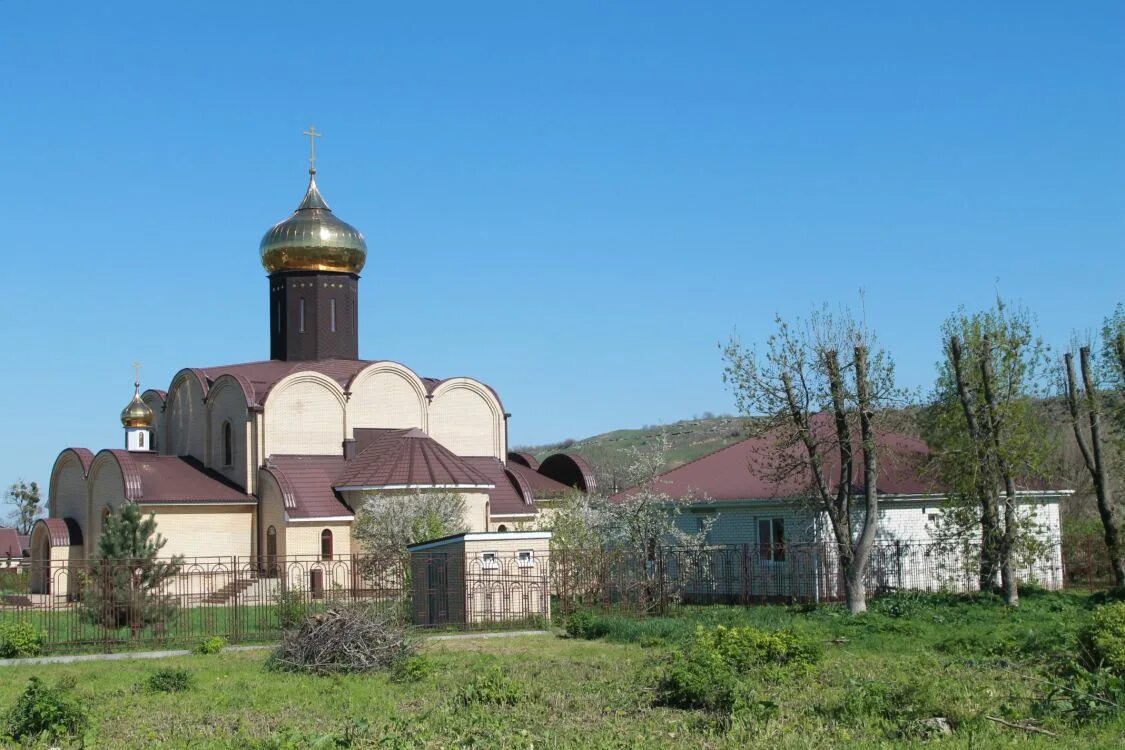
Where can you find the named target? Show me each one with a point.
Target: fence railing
(84, 604)
(650, 580)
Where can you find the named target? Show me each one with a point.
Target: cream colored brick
(387, 395)
(186, 418)
(228, 404)
(304, 414)
(466, 419)
(303, 538)
(69, 495)
(198, 531)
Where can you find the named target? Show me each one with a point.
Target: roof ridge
(689, 463)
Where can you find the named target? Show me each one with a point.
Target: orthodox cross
(137, 373)
(313, 135)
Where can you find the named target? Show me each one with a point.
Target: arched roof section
(288, 494)
(306, 376)
(524, 459)
(84, 457)
(388, 365)
(155, 394)
(132, 489)
(523, 488)
(435, 385)
(61, 532)
(232, 380)
(459, 423)
(189, 372)
(571, 470)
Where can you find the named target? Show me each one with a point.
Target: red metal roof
(542, 486)
(180, 479)
(406, 459)
(306, 485)
(742, 471)
(509, 496)
(61, 532)
(10, 545)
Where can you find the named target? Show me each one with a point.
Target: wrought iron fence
(648, 581)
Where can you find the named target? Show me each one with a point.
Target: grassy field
(912, 658)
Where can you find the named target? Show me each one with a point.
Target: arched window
(501, 527)
(106, 511)
(228, 444)
(326, 544)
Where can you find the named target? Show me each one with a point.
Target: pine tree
(127, 578)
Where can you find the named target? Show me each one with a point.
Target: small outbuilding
(481, 578)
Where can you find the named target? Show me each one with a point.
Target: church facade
(272, 458)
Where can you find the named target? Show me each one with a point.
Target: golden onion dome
(137, 413)
(313, 239)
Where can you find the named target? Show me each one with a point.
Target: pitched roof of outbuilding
(10, 545)
(744, 471)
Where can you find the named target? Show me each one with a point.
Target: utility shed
(481, 578)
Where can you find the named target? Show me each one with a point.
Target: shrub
(169, 680)
(42, 709)
(347, 638)
(699, 680)
(580, 625)
(1102, 639)
(20, 639)
(490, 688)
(412, 669)
(290, 607)
(212, 645)
(746, 647)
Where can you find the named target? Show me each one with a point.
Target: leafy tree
(127, 576)
(387, 523)
(820, 388)
(28, 505)
(987, 435)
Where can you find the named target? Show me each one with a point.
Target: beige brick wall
(107, 490)
(69, 495)
(272, 511)
(186, 419)
(228, 404)
(387, 395)
(467, 420)
(197, 531)
(476, 511)
(305, 415)
(303, 538)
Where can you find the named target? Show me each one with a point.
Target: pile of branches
(346, 638)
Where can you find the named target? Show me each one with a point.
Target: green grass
(911, 658)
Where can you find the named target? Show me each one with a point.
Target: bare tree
(817, 407)
(1085, 403)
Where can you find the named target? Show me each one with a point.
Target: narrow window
(277, 316)
(301, 316)
(228, 445)
(332, 316)
(142, 438)
(326, 544)
(771, 539)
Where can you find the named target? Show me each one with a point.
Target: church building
(273, 458)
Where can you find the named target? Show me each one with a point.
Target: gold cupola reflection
(136, 413)
(313, 239)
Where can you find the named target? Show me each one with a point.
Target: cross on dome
(313, 135)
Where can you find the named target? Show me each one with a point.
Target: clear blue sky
(574, 204)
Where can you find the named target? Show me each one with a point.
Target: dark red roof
(742, 471)
(406, 459)
(62, 532)
(180, 479)
(306, 485)
(523, 458)
(542, 486)
(10, 546)
(510, 496)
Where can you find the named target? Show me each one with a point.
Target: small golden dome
(137, 413)
(313, 239)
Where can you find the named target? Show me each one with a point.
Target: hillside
(688, 439)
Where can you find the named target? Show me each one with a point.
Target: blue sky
(574, 203)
